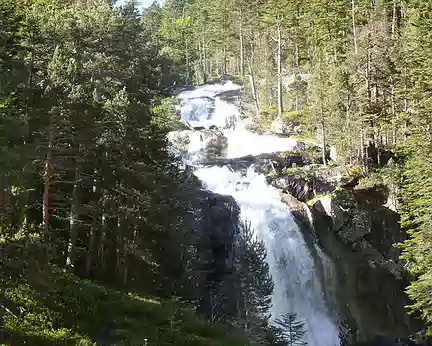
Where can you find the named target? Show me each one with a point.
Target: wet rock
(305, 183)
(326, 205)
(299, 210)
(198, 145)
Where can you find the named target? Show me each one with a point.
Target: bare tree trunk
(324, 156)
(104, 232)
(279, 70)
(224, 59)
(297, 67)
(354, 29)
(242, 71)
(267, 94)
(368, 76)
(347, 125)
(187, 59)
(74, 221)
(49, 169)
(94, 226)
(393, 110)
(204, 55)
(253, 89)
(394, 20)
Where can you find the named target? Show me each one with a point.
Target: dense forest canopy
(354, 73)
(93, 205)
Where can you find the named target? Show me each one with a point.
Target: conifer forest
(224, 172)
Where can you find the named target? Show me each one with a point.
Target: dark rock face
(307, 182)
(215, 241)
(360, 221)
(358, 233)
(217, 229)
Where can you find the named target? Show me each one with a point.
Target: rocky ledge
(328, 196)
(357, 216)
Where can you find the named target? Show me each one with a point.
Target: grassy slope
(60, 309)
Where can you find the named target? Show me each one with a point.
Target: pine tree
(292, 330)
(417, 184)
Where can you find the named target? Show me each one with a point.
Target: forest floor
(61, 309)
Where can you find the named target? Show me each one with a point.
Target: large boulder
(283, 127)
(278, 126)
(198, 145)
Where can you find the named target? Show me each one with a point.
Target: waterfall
(297, 287)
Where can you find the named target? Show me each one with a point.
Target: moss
(352, 172)
(311, 202)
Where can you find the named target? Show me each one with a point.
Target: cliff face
(361, 222)
(357, 232)
(216, 228)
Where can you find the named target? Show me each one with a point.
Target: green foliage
(267, 116)
(255, 282)
(166, 115)
(57, 308)
(417, 219)
(289, 331)
(416, 193)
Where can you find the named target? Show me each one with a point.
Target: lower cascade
(297, 288)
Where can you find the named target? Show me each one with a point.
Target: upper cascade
(219, 130)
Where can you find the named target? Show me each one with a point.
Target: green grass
(57, 308)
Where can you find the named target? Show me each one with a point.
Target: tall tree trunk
(224, 60)
(74, 221)
(253, 89)
(267, 86)
(49, 169)
(323, 129)
(204, 55)
(242, 71)
(393, 110)
(186, 52)
(104, 233)
(297, 67)
(368, 76)
(279, 69)
(354, 29)
(394, 19)
(348, 129)
(94, 225)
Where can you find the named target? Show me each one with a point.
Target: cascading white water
(296, 285)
